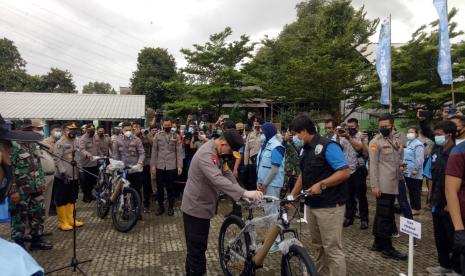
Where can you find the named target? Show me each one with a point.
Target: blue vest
(411, 159)
(264, 164)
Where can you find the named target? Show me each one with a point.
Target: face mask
(411, 136)
(352, 131)
(191, 130)
(297, 141)
(57, 134)
(173, 129)
(72, 134)
(385, 131)
(263, 138)
(219, 132)
(41, 132)
(128, 134)
(241, 132)
(91, 133)
(167, 129)
(101, 134)
(440, 140)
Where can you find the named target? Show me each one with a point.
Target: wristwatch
(323, 186)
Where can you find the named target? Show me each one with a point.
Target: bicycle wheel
(102, 190)
(233, 258)
(297, 262)
(126, 210)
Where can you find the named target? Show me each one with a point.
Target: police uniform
(167, 156)
(104, 144)
(30, 179)
(252, 147)
(386, 157)
(206, 178)
(146, 176)
(88, 147)
(131, 151)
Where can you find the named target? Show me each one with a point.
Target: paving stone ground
(156, 246)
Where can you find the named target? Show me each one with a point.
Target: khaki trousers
(48, 193)
(326, 236)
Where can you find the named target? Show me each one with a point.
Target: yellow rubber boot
(63, 219)
(69, 208)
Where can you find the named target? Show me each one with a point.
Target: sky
(98, 40)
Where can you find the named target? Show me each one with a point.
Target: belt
(53, 173)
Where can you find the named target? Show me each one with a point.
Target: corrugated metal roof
(63, 106)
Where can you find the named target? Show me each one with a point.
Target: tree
(415, 81)
(57, 81)
(212, 73)
(13, 76)
(154, 67)
(318, 59)
(98, 88)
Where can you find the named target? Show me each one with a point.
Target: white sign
(410, 227)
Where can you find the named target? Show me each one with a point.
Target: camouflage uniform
(291, 167)
(29, 181)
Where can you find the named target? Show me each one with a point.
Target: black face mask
(385, 131)
(167, 129)
(241, 132)
(227, 156)
(101, 134)
(91, 133)
(72, 134)
(352, 131)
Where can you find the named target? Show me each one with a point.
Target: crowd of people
(202, 162)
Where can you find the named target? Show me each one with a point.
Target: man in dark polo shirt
(324, 172)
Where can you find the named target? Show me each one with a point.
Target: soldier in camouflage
(26, 196)
(291, 165)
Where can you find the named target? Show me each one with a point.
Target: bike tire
(224, 256)
(305, 259)
(102, 207)
(137, 205)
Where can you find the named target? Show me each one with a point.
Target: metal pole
(390, 64)
(410, 255)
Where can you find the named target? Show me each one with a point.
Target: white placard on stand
(413, 230)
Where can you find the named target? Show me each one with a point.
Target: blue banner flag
(383, 61)
(444, 61)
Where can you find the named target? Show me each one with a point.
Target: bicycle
(113, 190)
(240, 254)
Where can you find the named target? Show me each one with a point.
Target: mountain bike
(241, 255)
(113, 192)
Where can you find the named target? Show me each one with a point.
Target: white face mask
(57, 134)
(41, 132)
(128, 134)
(411, 136)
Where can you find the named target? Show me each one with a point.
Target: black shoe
(170, 212)
(139, 217)
(38, 244)
(146, 210)
(394, 254)
(376, 248)
(92, 197)
(160, 211)
(348, 222)
(364, 225)
(87, 199)
(20, 242)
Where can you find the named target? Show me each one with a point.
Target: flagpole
(390, 64)
(452, 83)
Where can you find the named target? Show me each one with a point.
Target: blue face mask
(191, 130)
(263, 138)
(440, 140)
(297, 141)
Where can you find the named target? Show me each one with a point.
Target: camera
(341, 130)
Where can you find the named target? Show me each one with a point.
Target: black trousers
(88, 181)
(65, 191)
(196, 232)
(357, 192)
(147, 185)
(414, 192)
(444, 238)
(250, 183)
(384, 221)
(165, 180)
(136, 180)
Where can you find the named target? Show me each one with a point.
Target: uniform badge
(318, 149)
(373, 147)
(215, 159)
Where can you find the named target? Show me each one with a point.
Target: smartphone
(452, 110)
(425, 113)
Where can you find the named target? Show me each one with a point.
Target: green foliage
(154, 67)
(211, 76)
(57, 81)
(317, 59)
(98, 88)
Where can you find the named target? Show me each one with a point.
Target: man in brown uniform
(206, 178)
(103, 142)
(166, 162)
(386, 157)
(253, 144)
(88, 148)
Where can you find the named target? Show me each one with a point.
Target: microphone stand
(74, 261)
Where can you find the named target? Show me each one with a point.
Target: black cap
(17, 135)
(234, 139)
(229, 125)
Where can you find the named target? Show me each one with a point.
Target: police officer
(206, 177)
(252, 147)
(26, 195)
(166, 162)
(129, 149)
(146, 183)
(324, 172)
(66, 181)
(385, 171)
(88, 148)
(55, 135)
(103, 142)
